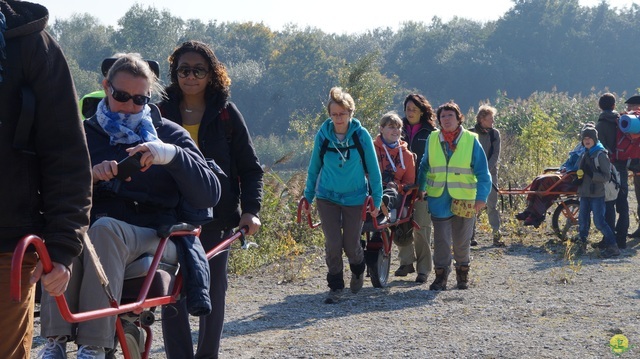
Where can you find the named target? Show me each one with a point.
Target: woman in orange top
(397, 163)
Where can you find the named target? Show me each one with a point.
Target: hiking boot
(497, 240)
(598, 245)
(404, 270)
(54, 348)
(635, 234)
(90, 352)
(533, 221)
(421, 278)
(581, 247)
(610, 251)
(440, 283)
(622, 243)
(357, 280)
(333, 296)
(462, 277)
(473, 242)
(522, 215)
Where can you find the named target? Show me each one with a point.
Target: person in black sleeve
(46, 173)
(198, 100)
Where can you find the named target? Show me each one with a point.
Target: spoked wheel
(565, 219)
(378, 264)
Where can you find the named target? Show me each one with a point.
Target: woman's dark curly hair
(220, 80)
(423, 104)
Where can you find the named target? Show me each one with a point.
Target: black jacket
(151, 198)
(242, 188)
(419, 140)
(607, 127)
(48, 193)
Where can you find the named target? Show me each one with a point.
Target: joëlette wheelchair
(377, 253)
(564, 220)
(158, 285)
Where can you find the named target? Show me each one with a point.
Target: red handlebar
(305, 204)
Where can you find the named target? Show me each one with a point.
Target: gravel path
(525, 301)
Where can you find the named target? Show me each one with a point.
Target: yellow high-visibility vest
(457, 174)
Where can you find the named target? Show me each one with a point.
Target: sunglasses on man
(122, 96)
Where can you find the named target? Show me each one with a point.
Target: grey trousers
(492, 211)
(342, 228)
(117, 244)
(419, 250)
(453, 232)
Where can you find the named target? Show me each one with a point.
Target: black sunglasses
(198, 72)
(122, 96)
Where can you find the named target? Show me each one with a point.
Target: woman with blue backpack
(342, 170)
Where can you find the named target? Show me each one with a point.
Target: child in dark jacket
(591, 181)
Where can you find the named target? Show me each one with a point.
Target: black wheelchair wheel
(565, 219)
(378, 265)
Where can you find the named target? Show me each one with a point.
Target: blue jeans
(597, 206)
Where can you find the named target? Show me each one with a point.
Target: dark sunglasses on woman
(122, 96)
(198, 72)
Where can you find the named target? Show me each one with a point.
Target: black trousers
(175, 318)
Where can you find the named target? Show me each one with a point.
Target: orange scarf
(450, 138)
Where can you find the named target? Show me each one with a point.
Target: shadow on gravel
(299, 311)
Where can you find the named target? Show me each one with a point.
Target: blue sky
(354, 16)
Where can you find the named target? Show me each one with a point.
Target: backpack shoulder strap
(323, 150)
(356, 141)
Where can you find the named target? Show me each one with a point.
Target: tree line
(280, 79)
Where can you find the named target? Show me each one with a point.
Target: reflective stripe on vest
(458, 175)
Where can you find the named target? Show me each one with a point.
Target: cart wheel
(378, 266)
(565, 219)
(133, 336)
(135, 343)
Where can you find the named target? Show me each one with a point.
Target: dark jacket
(48, 193)
(594, 178)
(418, 143)
(242, 188)
(150, 199)
(607, 127)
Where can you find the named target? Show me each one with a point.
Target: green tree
(150, 32)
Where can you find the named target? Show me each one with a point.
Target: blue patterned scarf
(125, 128)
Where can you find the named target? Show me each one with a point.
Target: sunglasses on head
(122, 96)
(198, 72)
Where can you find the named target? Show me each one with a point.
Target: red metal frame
(136, 307)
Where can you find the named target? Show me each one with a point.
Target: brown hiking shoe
(440, 283)
(333, 296)
(462, 276)
(610, 251)
(421, 278)
(497, 240)
(404, 270)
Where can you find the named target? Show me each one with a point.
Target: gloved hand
(162, 152)
(577, 181)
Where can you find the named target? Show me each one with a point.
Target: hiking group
(193, 153)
